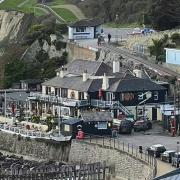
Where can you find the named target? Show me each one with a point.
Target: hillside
(129, 11)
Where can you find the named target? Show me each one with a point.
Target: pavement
(117, 34)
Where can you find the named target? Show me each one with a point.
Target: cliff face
(14, 25)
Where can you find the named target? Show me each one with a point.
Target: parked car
(167, 156)
(156, 150)
(122, 126)
(176, 159)
(142, 125)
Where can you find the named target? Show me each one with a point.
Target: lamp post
(59, 114)
(116, 21)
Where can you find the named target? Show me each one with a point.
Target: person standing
(109, 38)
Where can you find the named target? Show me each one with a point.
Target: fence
(95, 171)
(134, 151)
(31, 133)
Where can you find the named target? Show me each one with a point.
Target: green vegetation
(10, 4)
(66, 14)
(159, 45)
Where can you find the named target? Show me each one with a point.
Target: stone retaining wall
(40, 148)
(126, 166)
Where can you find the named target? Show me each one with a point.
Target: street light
(59, 114)
(116, 21)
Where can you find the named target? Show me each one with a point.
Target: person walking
(109, 38)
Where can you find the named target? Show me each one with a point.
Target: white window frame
(156, 95)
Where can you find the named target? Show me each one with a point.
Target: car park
(176, 159)
(156, 150)
(167, 156)
(142, 125)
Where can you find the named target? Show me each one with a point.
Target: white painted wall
(44, 90)
(88, 34)
(173, 56)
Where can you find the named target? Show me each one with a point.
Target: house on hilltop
(85, 29)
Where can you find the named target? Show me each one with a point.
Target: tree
(165, 14)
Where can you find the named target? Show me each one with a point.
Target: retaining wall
(40, 148)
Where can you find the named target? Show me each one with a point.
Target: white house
(85, 29)
(173, 56)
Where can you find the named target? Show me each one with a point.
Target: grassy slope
(27, 7)
(65, 14)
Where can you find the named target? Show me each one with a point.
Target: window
(102, 125)
(81, 95)
(80, 29)
(140, 96)
(64, 93)
(66, 128)
(156, 95)
(48, 90)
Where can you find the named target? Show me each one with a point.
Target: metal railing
(134, 151)
(58, 100)
(32, 133)
(110, 104)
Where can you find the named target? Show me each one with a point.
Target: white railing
(58, 100)
(110, 104)
(31, 133)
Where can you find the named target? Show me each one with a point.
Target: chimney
(62, 72)
(85, 76)
(116, 66)
(138, 73)
(105, 83)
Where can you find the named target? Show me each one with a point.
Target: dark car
(142, 125)
(125, 127)
(167, 156)
(156, 150)
(122, 126)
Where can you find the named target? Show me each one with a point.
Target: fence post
(132, 149)
(128, 147)
(114, 143)
(123, 145)
(103, 141)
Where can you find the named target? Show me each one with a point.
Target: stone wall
(40, 148)
(126, 166)
(78, 52)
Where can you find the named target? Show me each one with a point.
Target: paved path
(163, 168)
(74, 9)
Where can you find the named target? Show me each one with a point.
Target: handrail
(131, 149)
(31, 133)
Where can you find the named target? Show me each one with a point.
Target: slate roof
(134, 84)
(93, 67)
(87, 23)
(127, 84)
(74, 83)
(88, 116)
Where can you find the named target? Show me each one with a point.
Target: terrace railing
(32, 133)
(58, 100)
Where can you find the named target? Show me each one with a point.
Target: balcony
(110, 105)
(58, 100)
